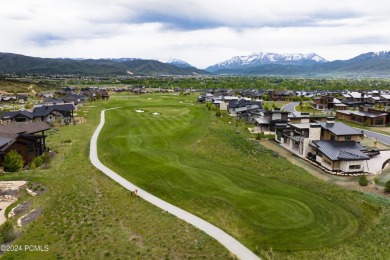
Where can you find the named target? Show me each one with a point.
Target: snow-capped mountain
(121, 59)
(176, 62)
(373, 55)
(260, 58)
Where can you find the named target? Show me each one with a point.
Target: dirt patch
(29, 217)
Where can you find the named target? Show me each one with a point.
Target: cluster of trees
(236, 82)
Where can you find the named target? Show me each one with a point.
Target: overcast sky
(199, 32)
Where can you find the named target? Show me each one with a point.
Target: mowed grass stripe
(257, 210)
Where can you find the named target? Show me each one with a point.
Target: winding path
(225, 239)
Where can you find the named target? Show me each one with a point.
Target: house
(75, 99)
(281, 95)
(338, 131)
(322, 102)
(346, 156)
(333, 145)
(103, 93)
(55, 113)
(365, 115)
(9, 99)
(355, 99)
(267, 120)
(45, 94)
(46, 113)
(235, 104)
(247, 112)
(17, 116)
(205, 98)
(28, 139)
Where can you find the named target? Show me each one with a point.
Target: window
(332, 137)
(327, 162)
(347, 138)
(379, 121)
(30, 148)
(354, 167)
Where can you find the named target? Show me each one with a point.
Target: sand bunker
(139, 111)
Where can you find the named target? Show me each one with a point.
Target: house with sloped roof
(48, 113)
(281, 95)
(344, 156)
(27, 138)
(55, 113)
(364, 117)
(17, 116)
(333, 145)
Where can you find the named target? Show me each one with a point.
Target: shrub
(45, 158)
(33, 166)
(38, 161)
(218, 113)
(363, 180)
(387, 187)
(7, 232)
(13, 161)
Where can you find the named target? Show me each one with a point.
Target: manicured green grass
(276, 104)
(306, 107)
(88, 216)
(195, 161)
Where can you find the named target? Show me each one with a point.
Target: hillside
(20, 64)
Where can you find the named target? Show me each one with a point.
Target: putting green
(158, 153)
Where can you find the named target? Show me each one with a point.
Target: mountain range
(20, 64)
(262, 58)
(372, 64)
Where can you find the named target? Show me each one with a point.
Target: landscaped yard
(186, 156)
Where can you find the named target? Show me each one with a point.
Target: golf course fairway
(179, 151)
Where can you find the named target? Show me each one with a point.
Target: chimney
(330, 120)
(315, 131)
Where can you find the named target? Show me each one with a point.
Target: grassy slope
(199, 164)
(87, 216)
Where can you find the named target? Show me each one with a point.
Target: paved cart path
(225, 239)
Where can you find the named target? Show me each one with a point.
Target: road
(225, 239)
(380, 137)
(290, 107)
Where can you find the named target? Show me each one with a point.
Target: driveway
(374, 165)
